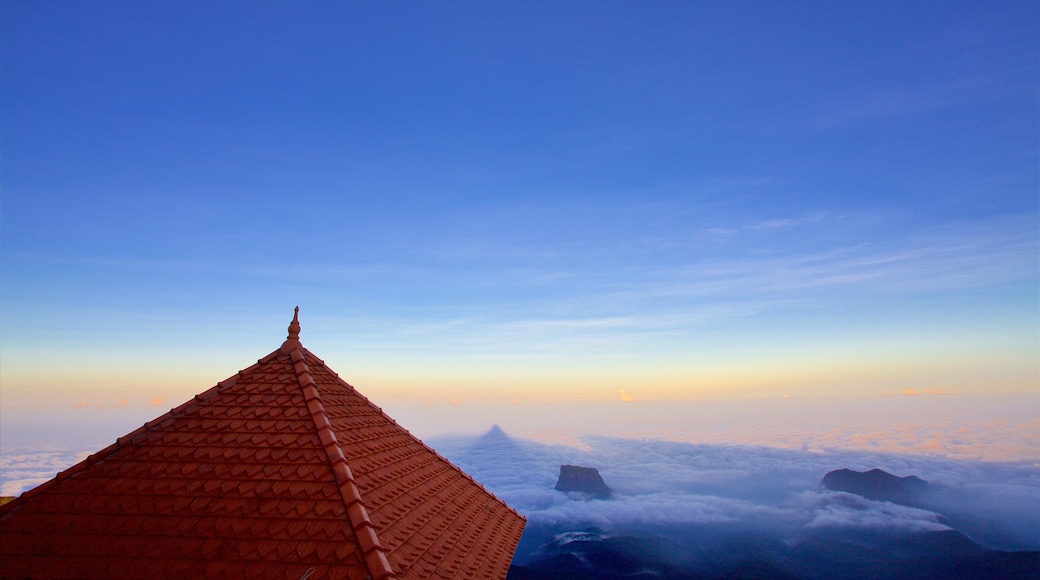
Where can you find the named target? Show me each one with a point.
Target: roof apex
(292, 342)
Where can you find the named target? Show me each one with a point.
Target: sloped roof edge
(376, 558)
(134, 435)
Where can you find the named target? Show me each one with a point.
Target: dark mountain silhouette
(948, 543)
(878, 485)
(943, 555)
(990, 532)
(915, 492)
(586, 480)
(592, 555)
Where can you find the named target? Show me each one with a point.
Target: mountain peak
(586, 480)
(877, 484)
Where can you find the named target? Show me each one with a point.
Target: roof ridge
(422, 443)
(374, 554)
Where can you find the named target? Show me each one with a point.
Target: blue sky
(526, 201)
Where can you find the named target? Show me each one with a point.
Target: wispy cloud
(889, 102)
(673, 293)
(679, 292)
(782, 223)
(951, 257)
(98, 405)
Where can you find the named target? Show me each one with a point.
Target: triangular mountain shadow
(498, 439)
(283, 470)
(497, 460)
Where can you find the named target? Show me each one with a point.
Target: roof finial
(292, 342)
(294, 326)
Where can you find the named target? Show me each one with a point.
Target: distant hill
(585, 480)
(878, 485)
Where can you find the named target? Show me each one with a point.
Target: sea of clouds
(754, 467)
(24, 468)
(666, 485)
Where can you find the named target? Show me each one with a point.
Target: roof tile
(253, 475)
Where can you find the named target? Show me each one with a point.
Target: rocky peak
(877, 485)
(586, 480)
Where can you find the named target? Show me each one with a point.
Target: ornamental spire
(293, 340)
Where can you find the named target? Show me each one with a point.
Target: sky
(487, 210)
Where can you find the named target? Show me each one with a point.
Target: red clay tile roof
(283, 470)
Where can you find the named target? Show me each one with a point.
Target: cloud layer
(24, 469)
(730, 481)
(661, 485)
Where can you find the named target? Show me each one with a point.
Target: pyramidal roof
(283, 470)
